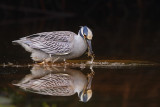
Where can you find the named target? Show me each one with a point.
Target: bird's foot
(41, 63)
(92, 59)
(44, 63)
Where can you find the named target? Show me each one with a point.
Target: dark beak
(90, 52)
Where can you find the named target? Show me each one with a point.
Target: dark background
(123, 29)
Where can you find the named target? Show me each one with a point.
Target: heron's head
(86, 95)
(87, 35)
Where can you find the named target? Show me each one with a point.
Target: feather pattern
(51, 84)
(54, 43)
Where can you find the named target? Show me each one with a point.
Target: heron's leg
(50, 55)
(65, 64)
(64, 60)
(54, 60)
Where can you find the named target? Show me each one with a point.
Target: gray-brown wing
(57, 42)
(51, 84)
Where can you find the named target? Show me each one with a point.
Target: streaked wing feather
(55, 91)
(62, 36)
(51, 84)
(57, 42)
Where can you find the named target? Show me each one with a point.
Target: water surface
(112, 84)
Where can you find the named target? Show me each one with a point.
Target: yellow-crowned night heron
(57, 82)
(57, 45)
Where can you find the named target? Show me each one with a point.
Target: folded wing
(51, 84)
(54, 43)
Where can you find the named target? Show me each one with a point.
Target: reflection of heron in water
(58, 82)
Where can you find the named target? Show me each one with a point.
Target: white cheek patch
(89, 34)
(89, 37)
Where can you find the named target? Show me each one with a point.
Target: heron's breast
(79, 46)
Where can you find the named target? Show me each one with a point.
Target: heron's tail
(23, 44)
(16, 42)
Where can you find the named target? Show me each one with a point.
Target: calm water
(113, 84)
(121, 82)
